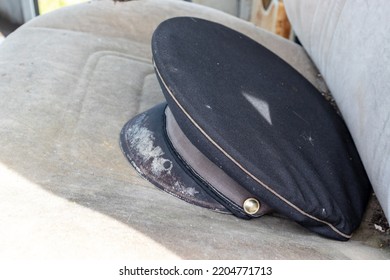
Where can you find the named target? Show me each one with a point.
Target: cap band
(222, 184)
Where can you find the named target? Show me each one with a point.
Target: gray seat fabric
(69, 81)
(349, 42)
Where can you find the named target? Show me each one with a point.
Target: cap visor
(146, 146)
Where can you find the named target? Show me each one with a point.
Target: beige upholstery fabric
(349, 41)
(69, 81)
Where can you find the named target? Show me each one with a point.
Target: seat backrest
(349, 41)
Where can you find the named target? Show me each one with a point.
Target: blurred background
(268, 14)
(45, 6)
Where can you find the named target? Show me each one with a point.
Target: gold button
(251, 206)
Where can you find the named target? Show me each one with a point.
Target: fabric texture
(350, 44)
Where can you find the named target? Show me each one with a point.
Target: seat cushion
(68, 87)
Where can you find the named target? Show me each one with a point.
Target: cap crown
(263, 123)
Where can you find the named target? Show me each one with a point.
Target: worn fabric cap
(243, 132)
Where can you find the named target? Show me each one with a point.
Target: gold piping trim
(243, 168)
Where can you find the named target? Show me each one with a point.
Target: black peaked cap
(259, 121)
